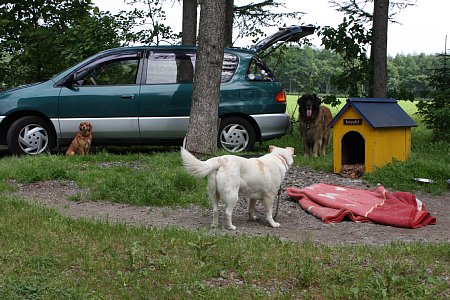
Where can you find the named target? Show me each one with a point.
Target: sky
(420, 29)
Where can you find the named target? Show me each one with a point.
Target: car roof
(284, 34)
(167, 47)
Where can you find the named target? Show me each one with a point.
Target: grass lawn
(46, 256)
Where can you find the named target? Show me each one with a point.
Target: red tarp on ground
(332, 203)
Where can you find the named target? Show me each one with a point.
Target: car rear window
(230, 63)
(179, 66)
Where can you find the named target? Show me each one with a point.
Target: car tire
(236, 135)
(30, 135)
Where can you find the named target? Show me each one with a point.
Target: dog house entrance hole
(353, 148)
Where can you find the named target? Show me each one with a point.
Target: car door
(105, 93)
(166, 93)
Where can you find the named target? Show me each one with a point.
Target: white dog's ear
(290, 149)
(271, 147)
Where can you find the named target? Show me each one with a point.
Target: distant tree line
(310, 70)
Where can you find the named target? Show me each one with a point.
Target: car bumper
(272, 125)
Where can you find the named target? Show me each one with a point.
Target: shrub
(436, 111)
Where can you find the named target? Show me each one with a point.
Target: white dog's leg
(229, 215)
(251, 209)
(215, 207)
(214, 197)
(268, 204)
(231, 200)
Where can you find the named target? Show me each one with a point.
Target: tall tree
(189, 26)
(379, 48)
(229, 16)
(376, 37)
(349, 40)
(201, 136)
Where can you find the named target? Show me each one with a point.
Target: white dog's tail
(196, 167)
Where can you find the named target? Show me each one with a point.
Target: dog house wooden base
(371, 132)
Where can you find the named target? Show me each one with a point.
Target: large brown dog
(314, 120)
(81, 144)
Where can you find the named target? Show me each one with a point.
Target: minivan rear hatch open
(285, 34)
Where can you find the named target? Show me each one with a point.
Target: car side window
(258, 71)
(170, 67)
(112, 72)
(179, 67)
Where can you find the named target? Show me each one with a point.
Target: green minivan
(142, 96)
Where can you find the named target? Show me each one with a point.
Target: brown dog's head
(309, 105)
(85, 128)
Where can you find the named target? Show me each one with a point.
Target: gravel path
(296, 224)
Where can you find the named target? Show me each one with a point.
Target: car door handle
(127, 96)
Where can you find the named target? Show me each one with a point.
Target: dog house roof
(378, 112)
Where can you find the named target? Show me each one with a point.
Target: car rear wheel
(30, 135)
(236, 135)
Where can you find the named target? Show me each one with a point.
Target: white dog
(255, 178)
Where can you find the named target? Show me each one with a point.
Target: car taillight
(280, 97)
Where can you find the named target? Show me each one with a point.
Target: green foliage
(305, 69)
(309, 70)
(436, 111)
(350, 41)
(331, 100)
(408, 76)
(67, 30)
(145, 26)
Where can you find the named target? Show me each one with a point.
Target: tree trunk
(201, 136)
(189, 25)
(379, 48)
(229, 15)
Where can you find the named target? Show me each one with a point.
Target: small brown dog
(314, 119)
(81, 144)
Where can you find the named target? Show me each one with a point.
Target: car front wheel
(236, 135)
(30, 135)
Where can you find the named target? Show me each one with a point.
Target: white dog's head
(286, 153)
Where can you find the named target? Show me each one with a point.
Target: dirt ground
(296, 224)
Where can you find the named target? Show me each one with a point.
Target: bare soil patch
(296, 224)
